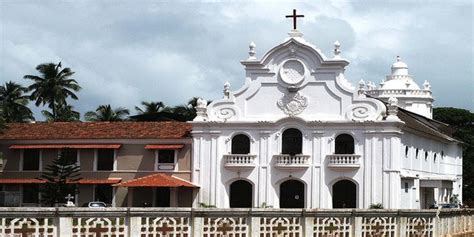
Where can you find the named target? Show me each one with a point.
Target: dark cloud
(128, 51)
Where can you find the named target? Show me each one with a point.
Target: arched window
(344, 144)
(406, 151)
(241, 194)
(292, 194)
(240, 144)
(435, 156)
(344, 194)
(292, 142)
(426, 155)
(416, 155)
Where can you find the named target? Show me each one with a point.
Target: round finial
(427, 85)
(382, 83)
(337, 47)
(399, 58)
(252, 50)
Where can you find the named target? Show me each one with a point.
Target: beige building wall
(132, 161)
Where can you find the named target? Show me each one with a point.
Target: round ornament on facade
(292, 71)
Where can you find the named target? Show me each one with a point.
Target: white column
(135, 225)
(262, 192)
(65, 226)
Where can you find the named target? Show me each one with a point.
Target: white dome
(400, 84)
(399, 67)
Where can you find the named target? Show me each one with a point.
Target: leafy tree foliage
(152, 107)
(53, 87)
(63, 114)
(13, 102)
(463, 121)
(60, 177)
(106, 113)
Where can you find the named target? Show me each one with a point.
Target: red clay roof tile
(95, 130)
(157, 180)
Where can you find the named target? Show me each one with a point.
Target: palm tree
(53, 86)
(63, 114)
(106, 113)
(151, 107)
(13, 102)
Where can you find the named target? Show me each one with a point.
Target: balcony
(344, 161)
(286, 161)
(239, 161)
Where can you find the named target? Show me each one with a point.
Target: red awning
(157, 180)
(62, 146)
(165, 146)
(21, 181)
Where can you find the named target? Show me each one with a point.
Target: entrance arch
(241, 194)
(292, 194)
(344, 194)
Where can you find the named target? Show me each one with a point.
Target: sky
(125, 52)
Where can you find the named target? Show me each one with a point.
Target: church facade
(297, 134)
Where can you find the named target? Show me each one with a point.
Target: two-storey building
(122, 163)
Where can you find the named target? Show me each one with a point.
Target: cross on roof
(294, 16)
(280, 228)
(224, 228)
(164, 229)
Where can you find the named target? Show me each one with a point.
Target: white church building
(297, 134)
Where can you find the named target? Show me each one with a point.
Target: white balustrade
(239, 161)
(287, 161)
(344, 161)
(399, 92)
(182, 222)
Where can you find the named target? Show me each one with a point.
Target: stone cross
(164, 229)
(24, 231)
(294, 16)
(280, 228)
(224, 228)
(331, 228)
(377, 229)
(97, 231)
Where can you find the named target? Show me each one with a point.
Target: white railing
(344, 161)
(402, 92)
(239, 161)
(291, 161)
(254, 222)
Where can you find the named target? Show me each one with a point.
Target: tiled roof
(63, 146)
(426, 125)
(157, 180)
(164, 146)
(40, 181)
(95, 130)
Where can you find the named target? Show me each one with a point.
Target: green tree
(151, 107)
(186, 112)
(61, 177)
(106, 113)
(13, 102)
(63, 114)
(53, 86)
(463, 121)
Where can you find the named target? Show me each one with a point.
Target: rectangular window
(104, 193)
(69, 154)
(105, 159)
(31, 159)
(406, 187)
(166, 160)
(30, 193)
